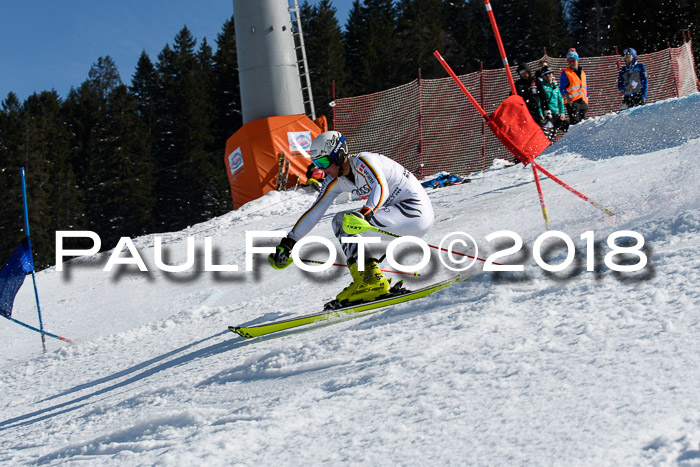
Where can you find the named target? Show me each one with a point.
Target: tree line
(129, 159)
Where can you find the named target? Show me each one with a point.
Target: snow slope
(598, 368)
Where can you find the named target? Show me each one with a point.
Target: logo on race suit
(362, 191)
(299, 141)
(235, 161)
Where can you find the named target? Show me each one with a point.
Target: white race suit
(398, 201)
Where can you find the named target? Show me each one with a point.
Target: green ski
(376, 305)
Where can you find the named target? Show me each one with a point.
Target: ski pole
(47, 333)
(354, 225)
(313, 261)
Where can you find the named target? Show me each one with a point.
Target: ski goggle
(322, 162)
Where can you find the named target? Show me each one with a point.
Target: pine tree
(422, 28)
(465, 44)
(590, 24)
(51, 188)
(184, 114)
(144, 85)
(128, 189)
(86, 111)
(527, 27)
(548, 29)
(373, 47)
(214, 190)
(650, 25)
(325, 53)
(354, 38)
(12, 136)
(226, 93)
(111, 155)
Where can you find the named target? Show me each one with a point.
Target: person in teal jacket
(552, 103)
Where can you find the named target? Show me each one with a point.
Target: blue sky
(48, 44)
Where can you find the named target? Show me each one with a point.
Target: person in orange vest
(572, 83)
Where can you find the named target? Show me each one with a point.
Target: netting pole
(420, 128)
(31, 257)
(483, 123)
(674, 72)
(617, 59)
(501, 50)
(333, 99)
(692, 57)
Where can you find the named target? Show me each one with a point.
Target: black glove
(282, 257)
(365, 213)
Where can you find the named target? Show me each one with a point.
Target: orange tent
(253, 152)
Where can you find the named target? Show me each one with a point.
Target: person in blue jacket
(632, 80)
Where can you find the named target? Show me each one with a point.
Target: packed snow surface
(573, 367)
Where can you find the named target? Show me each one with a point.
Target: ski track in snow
(600, 368)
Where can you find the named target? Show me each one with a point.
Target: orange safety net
(429, 126)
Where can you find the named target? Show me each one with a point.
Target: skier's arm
(376, 181)
(329, 191)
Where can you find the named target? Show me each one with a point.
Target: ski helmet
(328, 148)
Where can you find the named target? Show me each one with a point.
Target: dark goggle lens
(322, 162)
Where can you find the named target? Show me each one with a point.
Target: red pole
(420, 128)
(617, 58)
(501, 50)
(460, 85)
(572, 190)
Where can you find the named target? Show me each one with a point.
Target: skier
(632, 80)
(552, 103)
(572, 83)
(528, 89)
(396, 202)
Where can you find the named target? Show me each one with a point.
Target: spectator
(632, 80)
(573, 87)
(552, 103)
(527, 89)
(543, 64)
